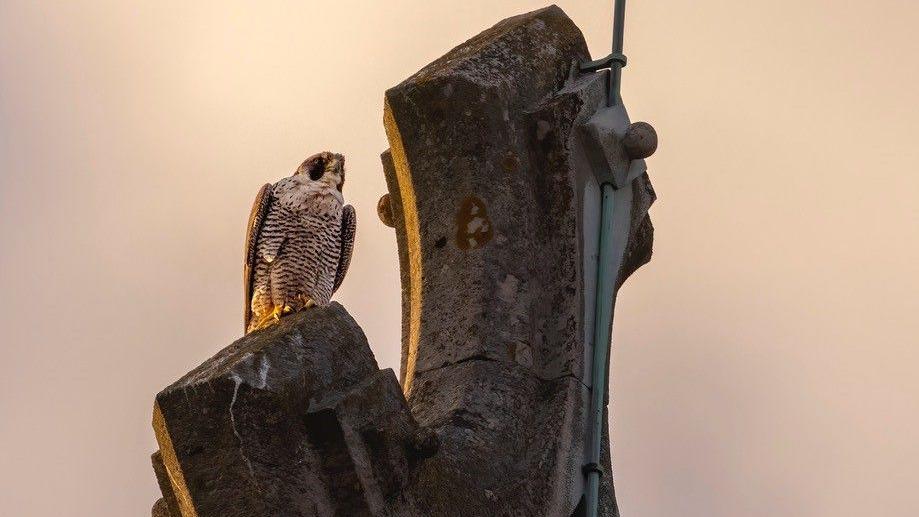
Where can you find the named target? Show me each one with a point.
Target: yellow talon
(278, 312)
(272, 317)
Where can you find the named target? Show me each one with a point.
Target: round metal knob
(384, 210)
(640, 140)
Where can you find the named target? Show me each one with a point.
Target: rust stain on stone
(473, 227)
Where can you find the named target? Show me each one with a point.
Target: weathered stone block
(162, 479)
(490, 229)
(501, 452)
(293, 420)
(494, 195)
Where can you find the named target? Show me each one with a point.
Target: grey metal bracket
(602, 137)
(616, 58)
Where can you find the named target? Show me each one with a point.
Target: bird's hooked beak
(338, 162)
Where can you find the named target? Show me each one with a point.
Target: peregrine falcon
(299, 241)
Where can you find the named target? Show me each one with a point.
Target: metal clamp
(617, 58)
(592, 467)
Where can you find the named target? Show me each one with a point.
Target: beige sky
(765, 361)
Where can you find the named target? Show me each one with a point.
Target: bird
(299, 241)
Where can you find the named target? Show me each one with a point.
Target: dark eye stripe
(317, 169)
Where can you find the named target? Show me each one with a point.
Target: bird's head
(324, 168)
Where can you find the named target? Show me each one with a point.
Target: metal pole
(607, 271)
(615, 70)
(609, 260)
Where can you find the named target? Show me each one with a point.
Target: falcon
(298, 242)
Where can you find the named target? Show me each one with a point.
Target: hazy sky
(765, 361)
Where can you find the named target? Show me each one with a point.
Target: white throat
(300, 193)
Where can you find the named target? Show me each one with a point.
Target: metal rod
(618, 26)
(607, 271)
(604, 305)
(615, 70)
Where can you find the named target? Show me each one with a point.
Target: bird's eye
(317, 169)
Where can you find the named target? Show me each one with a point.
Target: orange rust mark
(473, 226)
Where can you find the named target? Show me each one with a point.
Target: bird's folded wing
(348, 229)
(256, 220)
